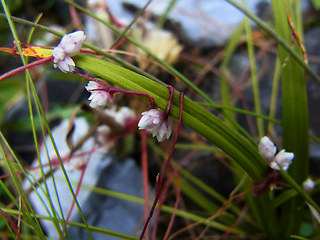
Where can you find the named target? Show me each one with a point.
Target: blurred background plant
(247, 69)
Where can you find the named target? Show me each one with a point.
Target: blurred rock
(206, 23)
(312, 45)
(101, 170)
(112, 213)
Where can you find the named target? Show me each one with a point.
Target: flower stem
(15, 229)
(22, 68)
(161, 179)
(167, 112)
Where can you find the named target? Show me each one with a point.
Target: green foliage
(271, 214)
(316, 4)
(10, 93)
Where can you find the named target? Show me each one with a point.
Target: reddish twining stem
(174, 174)
(144, 165)
(22, 68)
(112, 90)
(89, 52)
(168, 108)
(178, 195)
(161, 179)
(14, 227)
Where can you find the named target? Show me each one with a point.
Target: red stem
(14, 227)
(22, 68)
(174, 209)
(122, 40)
(166, 189)
(171, 92)
(161, 179)
(144, 164)
(89, 52)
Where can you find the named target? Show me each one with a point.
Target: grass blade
(294, 115)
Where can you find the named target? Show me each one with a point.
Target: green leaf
(294, 113)
(316, 4)
(194, 116)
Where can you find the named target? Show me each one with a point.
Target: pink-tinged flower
(99, 94)
(58, 54)
(69, 46)
(67, 65)
(124, 116)
(155, 122)
(308, 185)
(72, 42)
(268, 150)
(282, 160)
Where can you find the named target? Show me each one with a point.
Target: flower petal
(267, 149)
(284, 159)
(58, 54)
(72, 42)
(153, 121)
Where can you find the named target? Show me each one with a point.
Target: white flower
(153, 121)
(308, 185)
(123, 116)
(268, 150)
(282, 160)
(72, 42)
(69, 46)
(99, 94)
(162, 132)
(58, 54)
(67, 65)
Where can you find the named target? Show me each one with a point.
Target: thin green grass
(254, 77)
(276, 215)
(30, 87)
(294, 112)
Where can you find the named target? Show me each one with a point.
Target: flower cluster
(155, 121)
(69, 46)
(268, 151)
(99, 94)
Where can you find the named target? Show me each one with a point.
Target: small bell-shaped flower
(69, 46)
(99, 94)
(268, 150)
(308, 185)
(155, 122)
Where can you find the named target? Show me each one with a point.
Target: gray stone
(205, 22)
(102, 170)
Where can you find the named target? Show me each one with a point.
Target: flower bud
(69, 46)
(72, 42)
(267, 148)
(308, 185)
